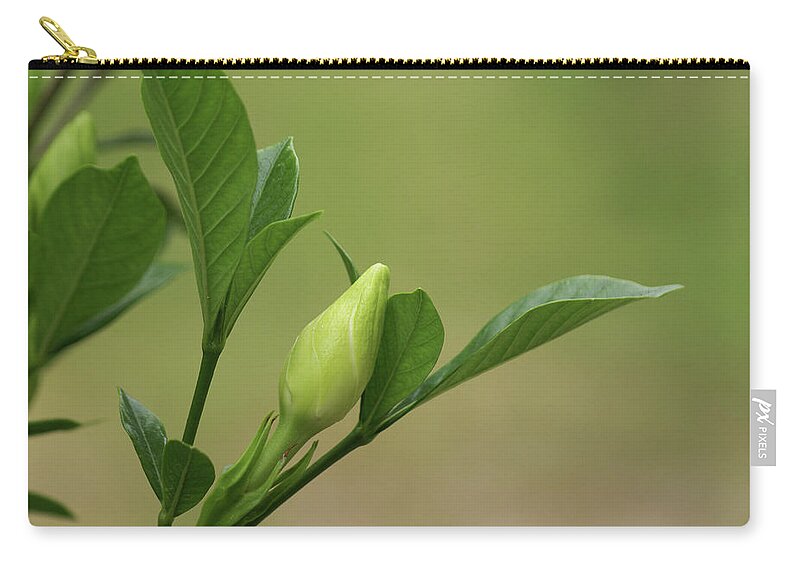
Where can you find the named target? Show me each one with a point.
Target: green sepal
(232, 496)
(285, 481)
(352, 271)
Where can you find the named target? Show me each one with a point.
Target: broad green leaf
(100, 232)
(350, 267)
(148, 436)
(259, 253)
(186, 473)
(412, 340)
(72, 148)
(35, 254)
(157, 275)
(40, 504)
(33, 384)
(531, 321)
(276, 188)
(205, 139)
(39, 427)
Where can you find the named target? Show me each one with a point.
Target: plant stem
(351, 442)
(207, 366)
(125, 139)
(43, 106)
(78, 101)
(164, 519)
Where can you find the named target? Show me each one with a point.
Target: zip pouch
(252, 264)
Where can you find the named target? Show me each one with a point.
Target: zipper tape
(388, 63)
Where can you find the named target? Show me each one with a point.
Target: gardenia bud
(333, 357)
(324, 375)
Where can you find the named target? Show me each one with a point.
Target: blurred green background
(478, 191)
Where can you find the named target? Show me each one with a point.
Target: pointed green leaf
(258, 255)
(205, 139)
(40, 504)
(39, 427)
(72, 148)
(100, 232)
(148, 436)
(187, 473)
(412, 340)
(531, 321)
(276, 188)
(349, 266)
(157, 275)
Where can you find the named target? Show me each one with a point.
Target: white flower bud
(333, 357)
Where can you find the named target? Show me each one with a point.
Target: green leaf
(157, 275)
(72, 148)
(205, 139)
(187, 473)
(33, 384)
(39, 427)
(350, 267)
(276, 188)
(40, 504)
(258, 255)
(531, 321)
(35, 253)
(100, 232)
(148, 436)
(412, 340)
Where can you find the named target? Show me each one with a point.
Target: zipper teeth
(391, 63)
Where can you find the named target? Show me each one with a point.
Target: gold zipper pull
(72, 52)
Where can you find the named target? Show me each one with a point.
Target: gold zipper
(79, 56)
(72, 51)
